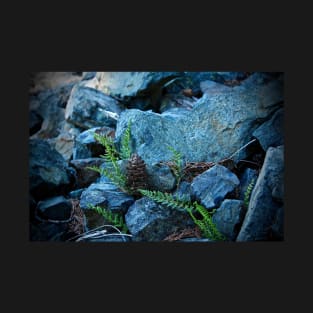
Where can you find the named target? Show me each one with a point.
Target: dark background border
(191, 277)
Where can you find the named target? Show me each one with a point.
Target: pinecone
(136, 177)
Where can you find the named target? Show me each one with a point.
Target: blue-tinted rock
(271, 133)
(220, 123)
(228, 218)
(56, 208)
(148, 221)
(49, 174)
(88, 108)
(266, 200)
(211, 187)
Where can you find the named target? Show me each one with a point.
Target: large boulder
(219, 124)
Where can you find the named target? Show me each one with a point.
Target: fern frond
(115, 218)
(206, 225)
(111, 156)
(248, 192)
(177, 166)
(125, 150)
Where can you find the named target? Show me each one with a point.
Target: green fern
(177, 166)
(111, 156)
(125, 150)
(206, 225)
(114, 218)
(248, 192)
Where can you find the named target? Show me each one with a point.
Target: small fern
(125, 150)
(177, 165)
(206, 225)
(114, 218)
(111, 156)
(248, 192)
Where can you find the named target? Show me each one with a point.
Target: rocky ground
(213, 139)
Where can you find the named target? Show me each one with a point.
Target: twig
(253, 140)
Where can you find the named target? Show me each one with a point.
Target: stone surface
(220, 123)
(266, 200)
(211, 187)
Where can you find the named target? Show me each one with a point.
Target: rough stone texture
(86, 146)
(88, 107)
(265, 215)
(148, 221)
(56, 208)
(213, 185)
(75, 194)
(50, 104)
(246, 178)
(221, 122)
(184, 191)
(85, 176)
(160, 177)
(228, 218)
(130, 84)
(105, 195)
(270, 133)
(49, 174)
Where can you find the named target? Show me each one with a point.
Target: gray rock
(56, 208)
(220, 123)
(75, 194)
(105, 195)
(184, 191)
(213, 185)
(35, 121)
(49, 174)
(85, 176)
(266, 200)
(246, 178)
(160, 177)
(50, 104)
(228, 218)
(88, 108)
(124, 85)
(195, 239)
(270, 133)
(86, 146)
(148, 221)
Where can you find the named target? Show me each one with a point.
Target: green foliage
(111, 155)
(125, 150)
(114, 218)
(248, 192)
(167, 199)
(206, 225)
(177, 166)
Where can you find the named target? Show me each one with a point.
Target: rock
(220, 123)
(211, 187)
(124, 85)
(35, 121)
(184, 191)
(50, 104)
(228, 218)
(86, 146)
(160, 178)
(75, 194)
(48, 232)
(85, 176)
(64, 142)
(88, 108)
(271, 133)
(266, 200)
(246, 178)
(195, 239)
(56, 208)
(49, 174)
(148, 221)
(105, 195)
